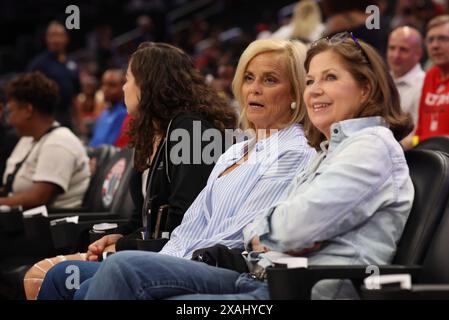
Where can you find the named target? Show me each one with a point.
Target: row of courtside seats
(422, 251)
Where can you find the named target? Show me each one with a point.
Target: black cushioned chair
(429, 171)
(101, 156)
(108, 190)
(438, 143)
(431, 280)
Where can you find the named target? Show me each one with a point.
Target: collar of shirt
(438, 78)
(259, 146)
(54, 125)
(273, 139)
(343, 129)
(410, 77)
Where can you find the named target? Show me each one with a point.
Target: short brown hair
(437, 21)
(367, 67)
(36, 89)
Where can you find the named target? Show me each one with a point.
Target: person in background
(109, 123)
(306, 23)
(89, 104)
(223, 84)
(433, 116)
(49, 165)
(123, 137)
(404, 52)
(56, 65)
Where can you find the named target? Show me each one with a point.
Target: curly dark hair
(170, 85)
(36, 89)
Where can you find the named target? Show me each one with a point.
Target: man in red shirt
(433, 119)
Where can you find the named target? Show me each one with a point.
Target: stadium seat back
(436, 262)
(100, 156)
(439, 143)
(110, 182)
(429, 171)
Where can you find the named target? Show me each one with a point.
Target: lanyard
(149, 198)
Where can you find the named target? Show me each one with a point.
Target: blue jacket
(108, 125)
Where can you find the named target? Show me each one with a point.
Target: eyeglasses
(340, 38)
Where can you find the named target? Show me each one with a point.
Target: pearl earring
(293, 105)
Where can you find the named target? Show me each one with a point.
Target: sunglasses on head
(340, 38)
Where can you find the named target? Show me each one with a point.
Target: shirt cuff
(263, 229)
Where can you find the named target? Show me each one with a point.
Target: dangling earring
(293, 105)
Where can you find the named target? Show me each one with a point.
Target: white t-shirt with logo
(58, 157)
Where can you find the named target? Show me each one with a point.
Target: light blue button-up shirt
(354, 198)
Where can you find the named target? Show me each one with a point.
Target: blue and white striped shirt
(228, 203)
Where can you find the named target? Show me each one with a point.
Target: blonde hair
(306, 18)
(295, 53)
(367, 67)
(437, 21)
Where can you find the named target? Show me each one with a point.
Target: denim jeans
(147, 275)
(247, 288)
(59, 282)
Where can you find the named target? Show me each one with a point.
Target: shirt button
(335, 131)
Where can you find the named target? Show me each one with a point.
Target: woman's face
(331, 94)
(267, 92)
(132, 93)
(19, 116)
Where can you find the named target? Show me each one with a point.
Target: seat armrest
(67, 210)
(75, 237)
(84, 216)
(297, 283)
(417, 292)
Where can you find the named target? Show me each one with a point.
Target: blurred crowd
(88, 64)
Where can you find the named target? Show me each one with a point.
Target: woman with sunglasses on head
(349, 207)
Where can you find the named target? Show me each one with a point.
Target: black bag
(222, 257)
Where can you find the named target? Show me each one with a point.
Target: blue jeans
(59, 282)
(148, 275)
